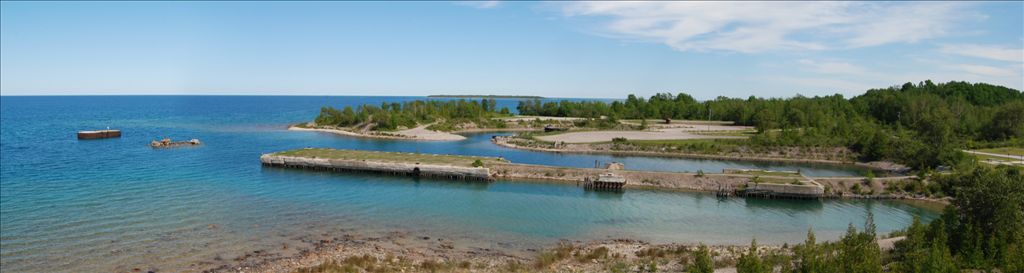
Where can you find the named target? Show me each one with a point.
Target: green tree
(1008, 122)
(810, 256)
(909, 253)
(939, 259)
(750, 262)
(702, 262)
(859, 251)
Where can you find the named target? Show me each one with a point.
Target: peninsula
(485, 96)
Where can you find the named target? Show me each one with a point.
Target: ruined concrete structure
(348, 165)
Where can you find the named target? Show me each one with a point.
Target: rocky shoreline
(405, 252)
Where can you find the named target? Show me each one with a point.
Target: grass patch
(547, 258)
(768, 173)
(688, 142)
(435, 159)
(597, 253)
(775, 180)
(744, 133)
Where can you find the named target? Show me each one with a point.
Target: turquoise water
(103, 205)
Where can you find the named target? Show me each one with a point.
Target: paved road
(1021, 157)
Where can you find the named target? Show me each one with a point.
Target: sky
(551, 49)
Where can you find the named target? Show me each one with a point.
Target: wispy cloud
(480, 4)
(818, 84)
(984, 70)
(832, 67)
(751, 27)
(991, 52)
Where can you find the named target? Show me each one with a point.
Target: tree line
(390, 116)
(922, 125)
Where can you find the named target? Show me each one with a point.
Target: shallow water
(69, 205)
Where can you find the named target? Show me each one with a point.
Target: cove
(73, 206)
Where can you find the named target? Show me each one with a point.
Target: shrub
(702, 262)
(597, 253)
(478, 163)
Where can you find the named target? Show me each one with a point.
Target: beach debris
(615, 166)
(167, 143)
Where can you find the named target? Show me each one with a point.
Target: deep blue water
(100, 205)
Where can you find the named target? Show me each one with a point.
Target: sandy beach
(543, 118)
(656, 131)
(671, 133)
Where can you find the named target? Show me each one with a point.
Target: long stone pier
(411, 164)
(490, 168)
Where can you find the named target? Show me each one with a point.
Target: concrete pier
(490, 168)
(99, 134)
(438, 166)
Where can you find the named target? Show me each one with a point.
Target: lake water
(99, 205)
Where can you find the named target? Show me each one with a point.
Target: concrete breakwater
(490, 168)
(732, 183)
(420, 165)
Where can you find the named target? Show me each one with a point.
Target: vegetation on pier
(922, 125)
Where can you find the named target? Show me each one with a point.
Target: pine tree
(939, 259)
(809, 255)
(909, 253)
(702, 261)
(858, 250)
(750, 262)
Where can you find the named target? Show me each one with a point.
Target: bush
(702, 262)
(597, 253)
(478, 163)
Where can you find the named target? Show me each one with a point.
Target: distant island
(485, 96)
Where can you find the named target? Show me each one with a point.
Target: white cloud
(480, 4)
(766, 26)
(984, 70)
(823, 86)
(832, 67)
(985, 51)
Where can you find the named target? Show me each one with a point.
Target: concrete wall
(789, 190)
(670, 180)
(426, 170)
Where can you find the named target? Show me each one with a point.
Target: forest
(921, 125)
(390, 116)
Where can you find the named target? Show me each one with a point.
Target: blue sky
(554, 49)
